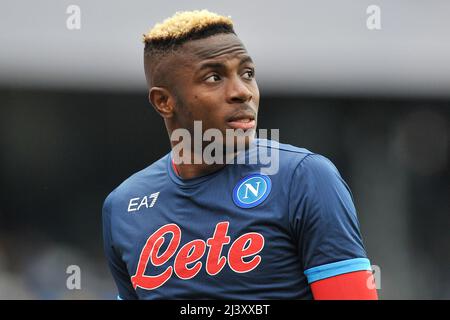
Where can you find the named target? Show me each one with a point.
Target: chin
(243, 142)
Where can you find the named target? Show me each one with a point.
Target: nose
(238, 91)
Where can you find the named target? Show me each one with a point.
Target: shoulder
(316, 177)
(302, 168)
(286, 149)
(137, 182)
(293, 159)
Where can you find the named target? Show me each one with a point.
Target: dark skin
(211, 80)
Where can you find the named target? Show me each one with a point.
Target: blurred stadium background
(75, 122)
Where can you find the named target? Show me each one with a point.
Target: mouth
(242, 120)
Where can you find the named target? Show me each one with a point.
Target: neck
(194, 165)
(189, 171)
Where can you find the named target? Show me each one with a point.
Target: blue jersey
(236, 233)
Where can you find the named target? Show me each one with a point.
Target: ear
(162, 101)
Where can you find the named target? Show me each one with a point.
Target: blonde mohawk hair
(186, 25)
(167, 37)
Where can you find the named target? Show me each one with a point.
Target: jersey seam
(287, 150)
(290, 192)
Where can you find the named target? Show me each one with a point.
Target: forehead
(217, 47)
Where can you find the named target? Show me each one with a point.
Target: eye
(249, 74)
(213, 78)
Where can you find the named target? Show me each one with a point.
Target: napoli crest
(251, 190)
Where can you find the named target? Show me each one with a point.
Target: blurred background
(75, 122)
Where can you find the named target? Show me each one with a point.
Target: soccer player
(202, 230)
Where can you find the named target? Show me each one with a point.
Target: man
(189, 228)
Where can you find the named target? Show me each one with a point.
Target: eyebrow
(220, 65)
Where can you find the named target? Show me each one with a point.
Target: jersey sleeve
(116, 265)
(324, 222)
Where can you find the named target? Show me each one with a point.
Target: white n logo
(248, 186)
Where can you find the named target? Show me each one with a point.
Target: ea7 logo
(147, 202)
